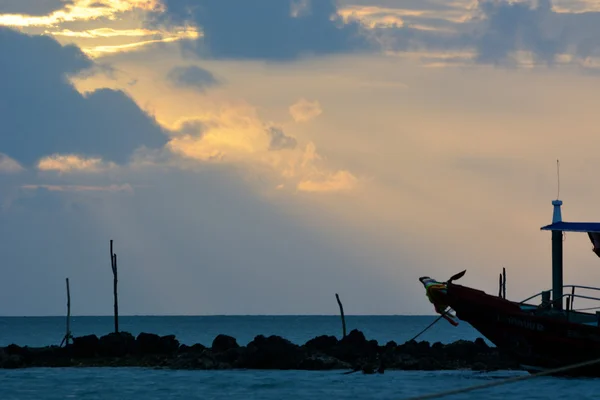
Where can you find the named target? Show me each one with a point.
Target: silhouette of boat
(544, 334)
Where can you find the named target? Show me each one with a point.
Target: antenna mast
(558, 178)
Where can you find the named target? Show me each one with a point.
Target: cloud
(32, 7)
(73, 163)
(334, 182)
(276, 30)
(77, 10)
(509, 27)
(8, 165)
(80, 188)
(46, 115)
(193, 76)
(304, 110)
(237, 136)
(279, 140)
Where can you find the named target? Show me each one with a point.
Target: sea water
(150, 384)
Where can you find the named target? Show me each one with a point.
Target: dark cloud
(279, 140)
(42, 113)
(32, 7)
(193, 76)
(509, 27)
(267, 29)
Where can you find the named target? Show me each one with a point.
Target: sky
(257, 157)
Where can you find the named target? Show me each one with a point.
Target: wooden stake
(113, 259)
(68, 332)
(342, 313)
(504, 283)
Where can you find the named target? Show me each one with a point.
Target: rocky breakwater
(352, 353)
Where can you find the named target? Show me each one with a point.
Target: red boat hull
(535, 338)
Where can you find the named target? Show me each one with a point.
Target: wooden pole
(500, 286)
(113, 258)
(342, 314)
(68, 332)
(504, 283)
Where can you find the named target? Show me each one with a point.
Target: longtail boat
(543, 331)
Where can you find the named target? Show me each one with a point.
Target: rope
(505, 381)
(430, 325)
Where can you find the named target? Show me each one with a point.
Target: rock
(322, 343)
(481, 343)
(355, 346)
(273, 352)
(196, 348)
(169, 344)
(479, 366)
(147, 343)
(354, 339)
(391, 345)
(85, 346)
(150, 343)
(354, 352)
(224, 343)
(116, 344)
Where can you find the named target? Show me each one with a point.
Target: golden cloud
(333, 182)
(97, 51)
(81, 10)
(73, 163)
(378, 17)
(304, 110)
(237, 135)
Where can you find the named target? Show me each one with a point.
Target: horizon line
(217, 315)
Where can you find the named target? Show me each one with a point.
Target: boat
(543, 332)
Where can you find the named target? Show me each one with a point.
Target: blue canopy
(573, 227)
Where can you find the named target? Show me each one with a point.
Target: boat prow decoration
(437, 293)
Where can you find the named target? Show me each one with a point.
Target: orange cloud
(73, 163)
(237, 135)
(332, 182)
(304, 110)
(81, 10)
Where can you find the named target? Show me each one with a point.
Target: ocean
(151, 384)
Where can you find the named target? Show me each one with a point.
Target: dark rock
(354, 352)
(85, 346)
(14, 350)
(437, 346)
(322, 343)
(273, 352)
(195, 348)
(224, 343)
(147, 343)
(150, 343)
(354, 339)
(354, 347)
(481, 343)
(479, 366)
(169, 344)
(116, 344)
